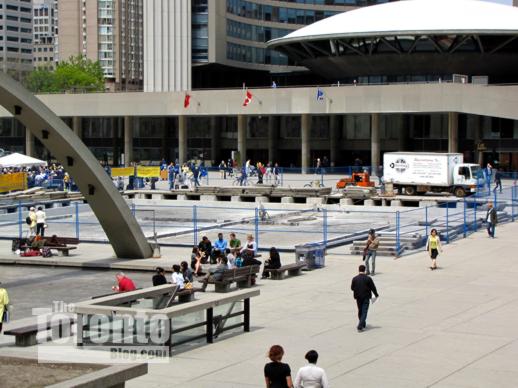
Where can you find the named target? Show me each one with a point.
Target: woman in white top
(177, 277)
(40, 222)
(311, 376)
(250, 247)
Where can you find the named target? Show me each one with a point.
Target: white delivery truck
(421, 172)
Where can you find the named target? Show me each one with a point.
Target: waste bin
(313, 254)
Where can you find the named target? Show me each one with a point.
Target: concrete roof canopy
(413, 38)
(412, 17)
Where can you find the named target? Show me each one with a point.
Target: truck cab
(465, 178)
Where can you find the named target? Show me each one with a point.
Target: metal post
(257, 227)
(447, 224)
(20, 227)
(195, 224)
(398, 241)
(465, 226)
(154, 223)
(324, 227)
(210, 325)
(513, 193)
(77, 220)
(133, 208)
(321, 176)
(475, 223)
(426, 220)
(282, 176)
(246, 320)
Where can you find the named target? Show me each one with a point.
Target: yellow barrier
(123, 171)
(11, 182)
(148, 172)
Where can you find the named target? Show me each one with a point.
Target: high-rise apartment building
(228, 40)
(16, 37)
(44, 33)
(109, 31)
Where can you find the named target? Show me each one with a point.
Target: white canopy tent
(19, 160)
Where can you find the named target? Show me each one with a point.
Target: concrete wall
(493, 101)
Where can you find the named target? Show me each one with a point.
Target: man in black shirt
(363, 287)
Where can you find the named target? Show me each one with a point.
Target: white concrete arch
(114, 215)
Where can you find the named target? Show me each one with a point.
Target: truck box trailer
(420, 172)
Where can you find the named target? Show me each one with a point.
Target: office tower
(16, 37)
(108, 31)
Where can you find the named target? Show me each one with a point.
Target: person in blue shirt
(220, 245)
(171, 175)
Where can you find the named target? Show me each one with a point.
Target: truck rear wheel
(459, 192)
(410, 190)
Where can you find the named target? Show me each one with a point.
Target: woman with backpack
(31, 221)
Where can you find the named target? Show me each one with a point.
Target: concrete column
(182, 139)
(375, 141)
(333, 140)
(272, 139)
(128, 140)
(77, 126)
(476, 122)
(305, 125)
(242, 122)
(214, 141)
(453, 132)
(29, 143)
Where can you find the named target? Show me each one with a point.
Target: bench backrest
(234, 273)
(67, 240)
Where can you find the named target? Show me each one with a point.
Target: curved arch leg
(114, 215)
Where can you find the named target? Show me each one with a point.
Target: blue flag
(320, 95)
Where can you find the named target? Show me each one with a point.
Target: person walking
(498, 181)
(4, 303)
(32, 224)
(311, 376)
(433, 246)
(276, 373)
(40, 222)
(363, 287)
(370, 251)
(488, 173)
(491, 219)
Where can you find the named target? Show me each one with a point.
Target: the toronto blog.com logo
(101, 338)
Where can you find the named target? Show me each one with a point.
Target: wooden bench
(64, 245)
(293, 270)
(26, 335)
(242, 276)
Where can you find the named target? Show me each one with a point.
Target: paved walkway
(454, 327)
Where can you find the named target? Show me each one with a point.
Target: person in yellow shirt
(4, 301)
(32, 225)
(433, 246)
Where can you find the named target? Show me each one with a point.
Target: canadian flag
(187, 101)
(248, 98)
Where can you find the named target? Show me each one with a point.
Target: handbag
(187, 286)
(6, 316)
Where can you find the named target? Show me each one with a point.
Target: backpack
(28, 220)
(45, 252)
(238, 262)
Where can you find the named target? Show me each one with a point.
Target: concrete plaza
(454, 327)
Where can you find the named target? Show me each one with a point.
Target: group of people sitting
(223, 255)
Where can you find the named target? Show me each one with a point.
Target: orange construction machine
(361, 179)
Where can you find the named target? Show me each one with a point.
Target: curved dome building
(399, 41)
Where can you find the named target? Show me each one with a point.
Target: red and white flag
(187, 101)
(248, 98)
